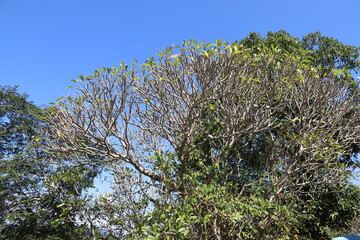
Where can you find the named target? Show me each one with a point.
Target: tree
(214, 141)
(38, 199)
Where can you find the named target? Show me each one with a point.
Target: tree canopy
(254, 139)
(240, 140)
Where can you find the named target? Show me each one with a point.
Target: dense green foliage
(38, 199)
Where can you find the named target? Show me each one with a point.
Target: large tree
(218, 141)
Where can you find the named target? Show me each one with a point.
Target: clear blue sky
(45, 43)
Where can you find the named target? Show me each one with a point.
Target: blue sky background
(45, 43)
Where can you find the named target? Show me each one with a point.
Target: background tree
(218, 141)
(39, 199)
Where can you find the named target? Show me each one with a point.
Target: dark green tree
(39, 199)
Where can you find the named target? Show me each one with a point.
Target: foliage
(210, 211)
(329, 210)
(38, 199)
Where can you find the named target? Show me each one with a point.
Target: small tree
(212, 141)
